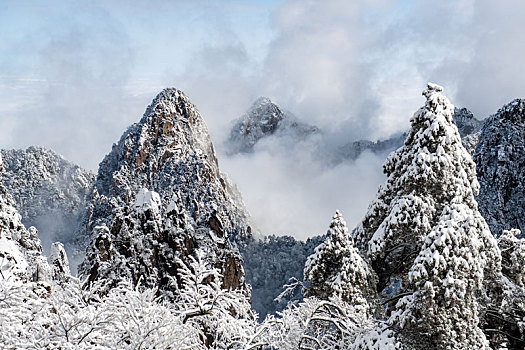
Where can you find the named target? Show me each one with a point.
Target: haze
(75, 74)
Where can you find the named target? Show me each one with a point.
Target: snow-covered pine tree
(336, 269)
(223, 318)
(428, 173)
(425, 232)
(445, 277)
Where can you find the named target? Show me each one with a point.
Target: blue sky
(69, 60)
(155, 36)
(75, 74)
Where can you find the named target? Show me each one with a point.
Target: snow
(172, 206)
(12, 262)
(147, 200)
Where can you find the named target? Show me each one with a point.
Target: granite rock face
(500, 162)
(159, 196)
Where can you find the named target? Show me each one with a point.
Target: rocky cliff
(159, 196)
(20, 249)
(500, 163)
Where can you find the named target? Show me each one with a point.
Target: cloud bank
(74, 75)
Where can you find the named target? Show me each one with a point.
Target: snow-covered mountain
(20, 249)
(48, 191)
(159, 196)
(265, 118)
(500, 161)
(161, 215)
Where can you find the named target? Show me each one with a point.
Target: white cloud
(355, 68)
(288, 189)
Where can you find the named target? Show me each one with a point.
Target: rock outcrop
(159, 196)
(500, 163)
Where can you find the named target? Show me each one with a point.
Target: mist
(74, 76)
(294, 191)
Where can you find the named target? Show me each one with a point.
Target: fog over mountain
(73, 76)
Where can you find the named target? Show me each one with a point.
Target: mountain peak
(159, 196)
(169, 95)
(265, 111)
(264, 118)
(262, 100)
(172, 104)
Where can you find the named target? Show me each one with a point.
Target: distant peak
(262, 101)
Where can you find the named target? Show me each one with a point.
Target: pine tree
(425, 231)
(505, 306)
(445, 277)
(336, 269)
(429, 172)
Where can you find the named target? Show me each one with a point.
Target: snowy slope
(159, 196)
(48, 191)
(500, 165)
